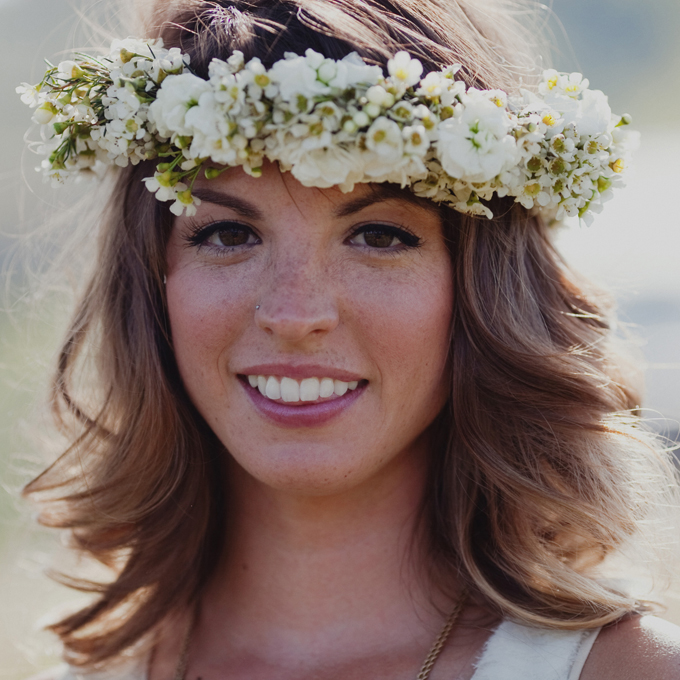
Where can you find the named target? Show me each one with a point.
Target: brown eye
(379, 238)
(223, 235)
(384, 236)
(232, 236)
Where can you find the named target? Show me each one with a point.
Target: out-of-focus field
(627, 48)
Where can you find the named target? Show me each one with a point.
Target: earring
(165, 279)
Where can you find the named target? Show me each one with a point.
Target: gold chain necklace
(424, 674)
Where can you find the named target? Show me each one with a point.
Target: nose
(298, 302)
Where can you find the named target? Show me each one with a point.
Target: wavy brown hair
(536, 476)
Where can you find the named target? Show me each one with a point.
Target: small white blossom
(327, 167)
(379, 96)
(297, 77)
(404, 69)
(416, 141)
(68, 70)
(433, 85)
(475, 144)
(45, 113)
(175, 97)
(385, 139)
(29, 95)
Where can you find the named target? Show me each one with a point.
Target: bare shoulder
(637, 648)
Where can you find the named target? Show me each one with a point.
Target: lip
(302, 414)
(300, 371)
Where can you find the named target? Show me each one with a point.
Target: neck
(329, 571)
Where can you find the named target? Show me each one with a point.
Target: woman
(332, 423)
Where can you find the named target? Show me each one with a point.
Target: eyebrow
(379, 194)
(236, 204)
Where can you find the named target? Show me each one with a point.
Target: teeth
(273, 389)
(326, 388)
(309, 389)
(290, 389)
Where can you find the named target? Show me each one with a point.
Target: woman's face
(311, 327)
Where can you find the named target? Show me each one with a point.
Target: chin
(310, 469)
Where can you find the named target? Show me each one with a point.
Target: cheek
(206, 316)
(407, 322)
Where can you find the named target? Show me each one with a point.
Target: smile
(290, 390)
(303, 401)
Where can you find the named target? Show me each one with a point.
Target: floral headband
(331, 123)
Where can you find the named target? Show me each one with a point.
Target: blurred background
(627, 48)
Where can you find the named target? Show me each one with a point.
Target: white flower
(593, 116)
(175, 97)
(404, 69)
(497, 97)
(174, 61)
(384, 138)
(433, 84)
(45, 114)
(328, 71)
(475, 144)
(402, 111)
(329, 114)
(185, 202)
(161, 184)
(29, 95)
(328, 167)
(295, 76)
(379, 96)
(67, 70)
(134, 46)
(416, 141)
(352, 71)
(473, 208)
(565, 84)
(236, 61)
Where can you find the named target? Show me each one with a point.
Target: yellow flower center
(617, 165)
(549, 119)
(185, 197)
(552, 83)
(532, 189)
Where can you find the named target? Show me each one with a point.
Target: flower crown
(331, 123)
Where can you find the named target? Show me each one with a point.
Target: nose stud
(257, 306)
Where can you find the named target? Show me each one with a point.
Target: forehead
(255, 197)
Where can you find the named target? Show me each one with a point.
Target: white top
(513, 652)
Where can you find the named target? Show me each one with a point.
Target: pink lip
(300, 371)
(301, 414)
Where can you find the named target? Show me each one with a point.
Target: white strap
(135, 670)
(582, 654)
(517, 652)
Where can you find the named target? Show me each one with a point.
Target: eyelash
(407, 238)
(200, 233)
